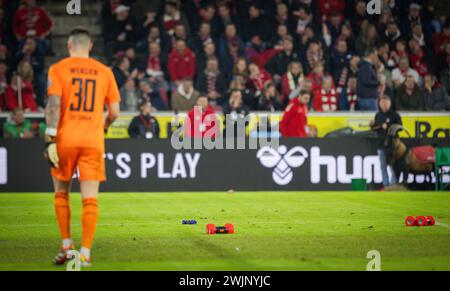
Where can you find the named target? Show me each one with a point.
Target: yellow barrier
(429, 125)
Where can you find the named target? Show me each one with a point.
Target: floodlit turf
(275, 231)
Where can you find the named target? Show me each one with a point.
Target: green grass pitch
(274, 231)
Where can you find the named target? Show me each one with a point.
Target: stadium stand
(265, 49)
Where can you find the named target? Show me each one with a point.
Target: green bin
(359, 184)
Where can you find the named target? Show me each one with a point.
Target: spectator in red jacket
(207, 125)
(326, 99)
(294, 122)
(12, 95)
(181, 62)
(326, 7)
(31, 20)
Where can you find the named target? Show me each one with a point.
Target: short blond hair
(80, 37)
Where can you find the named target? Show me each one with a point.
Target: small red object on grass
(213, 229)
(410, 221)
(420, 221)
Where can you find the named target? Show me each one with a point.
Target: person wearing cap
(120, 10)
(144, 126)
(120, 33)
(385, 118)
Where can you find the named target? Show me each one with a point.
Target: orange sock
(89, 221)
(62, 210)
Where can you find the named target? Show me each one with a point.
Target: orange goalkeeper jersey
(85, 86)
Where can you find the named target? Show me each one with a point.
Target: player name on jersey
(84, 71)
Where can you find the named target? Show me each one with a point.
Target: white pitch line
(442, 224)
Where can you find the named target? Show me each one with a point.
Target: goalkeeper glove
(51, 151)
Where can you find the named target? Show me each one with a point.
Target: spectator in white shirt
(403, 70)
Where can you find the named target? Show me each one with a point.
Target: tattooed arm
(52, 112)
(52, 115)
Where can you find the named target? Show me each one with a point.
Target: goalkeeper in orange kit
(79, 88)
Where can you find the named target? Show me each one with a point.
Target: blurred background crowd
(246, 55)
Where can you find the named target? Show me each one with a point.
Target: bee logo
(282, 161)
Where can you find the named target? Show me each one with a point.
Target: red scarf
(154, 63)
(352, 99)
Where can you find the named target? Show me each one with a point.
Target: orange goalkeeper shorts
(90, 163)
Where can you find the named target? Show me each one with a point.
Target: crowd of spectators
(174, 52)
(238, 56)
(25, 30)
